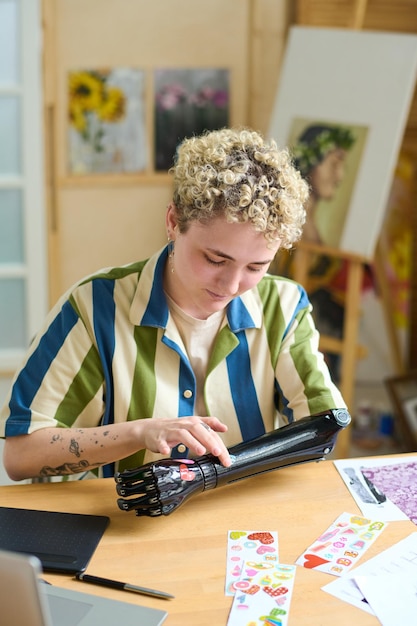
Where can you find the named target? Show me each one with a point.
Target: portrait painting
(362, 82)
(328, 155)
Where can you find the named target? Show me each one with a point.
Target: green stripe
(142, 404)
(305, 362)
(82, 389)
(117, 272)
(226, 342)
(274, 321)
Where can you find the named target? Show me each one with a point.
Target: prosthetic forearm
(162, 486)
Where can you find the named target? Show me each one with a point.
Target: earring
(171, 253)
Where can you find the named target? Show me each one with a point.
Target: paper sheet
(370, 503)
(392, 598)
(399, 483)
(398, 560)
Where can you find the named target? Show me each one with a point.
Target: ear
(171, 220)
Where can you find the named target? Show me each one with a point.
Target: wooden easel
(347, 347)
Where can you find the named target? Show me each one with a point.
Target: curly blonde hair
(239, 174)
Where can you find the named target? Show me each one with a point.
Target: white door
(23, 291)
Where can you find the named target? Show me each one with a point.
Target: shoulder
(281, 291)
(111, 283)
(114, 273)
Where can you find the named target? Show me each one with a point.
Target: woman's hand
(199, 434)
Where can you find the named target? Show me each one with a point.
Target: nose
(229, 281)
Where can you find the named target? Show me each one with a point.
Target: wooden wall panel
(327, 13)
(89, 214)
(102, 220)
(269, 20)
(390, 15)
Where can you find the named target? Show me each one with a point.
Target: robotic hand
(162, 486)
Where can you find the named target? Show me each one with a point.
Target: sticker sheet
(246, 549)
(265, 597)
(340, 547)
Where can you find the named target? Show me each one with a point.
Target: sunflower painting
(106, 121)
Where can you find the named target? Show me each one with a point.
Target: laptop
(63, 542)
(26, 600)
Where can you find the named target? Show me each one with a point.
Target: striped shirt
(110, 351)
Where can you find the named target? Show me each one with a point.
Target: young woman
(192, 350)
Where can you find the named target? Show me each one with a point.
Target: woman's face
(213, 263)
(328, 174)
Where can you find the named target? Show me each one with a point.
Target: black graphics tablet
(63, 542)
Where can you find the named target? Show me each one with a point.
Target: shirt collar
(150, 308)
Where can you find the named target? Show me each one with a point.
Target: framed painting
(187, 102)
(106, 121)
(356, 88)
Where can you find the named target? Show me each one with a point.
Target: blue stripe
(243, 391)
(238, 316)
(186, 381)
(30, 378)
(302, 303)
(104, 309)
(284, 408)
(156, 313)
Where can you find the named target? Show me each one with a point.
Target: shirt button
(181, 448)
(188, 393)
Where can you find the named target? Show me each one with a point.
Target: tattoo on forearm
(74, 447)
(67, 468)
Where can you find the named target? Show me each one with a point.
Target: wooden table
(185, 553)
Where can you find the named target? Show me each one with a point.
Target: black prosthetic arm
(162, 486)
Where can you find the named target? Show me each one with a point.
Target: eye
(255, 269)
(212, 261)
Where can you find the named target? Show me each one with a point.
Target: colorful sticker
(265, 601)
(339, 548)
(249, 552)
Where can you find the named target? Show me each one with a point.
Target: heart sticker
(186, 474)
(312, 560)
(275, 593)
(264, 538)
(263, 549)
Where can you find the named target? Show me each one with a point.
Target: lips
(217, 296)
